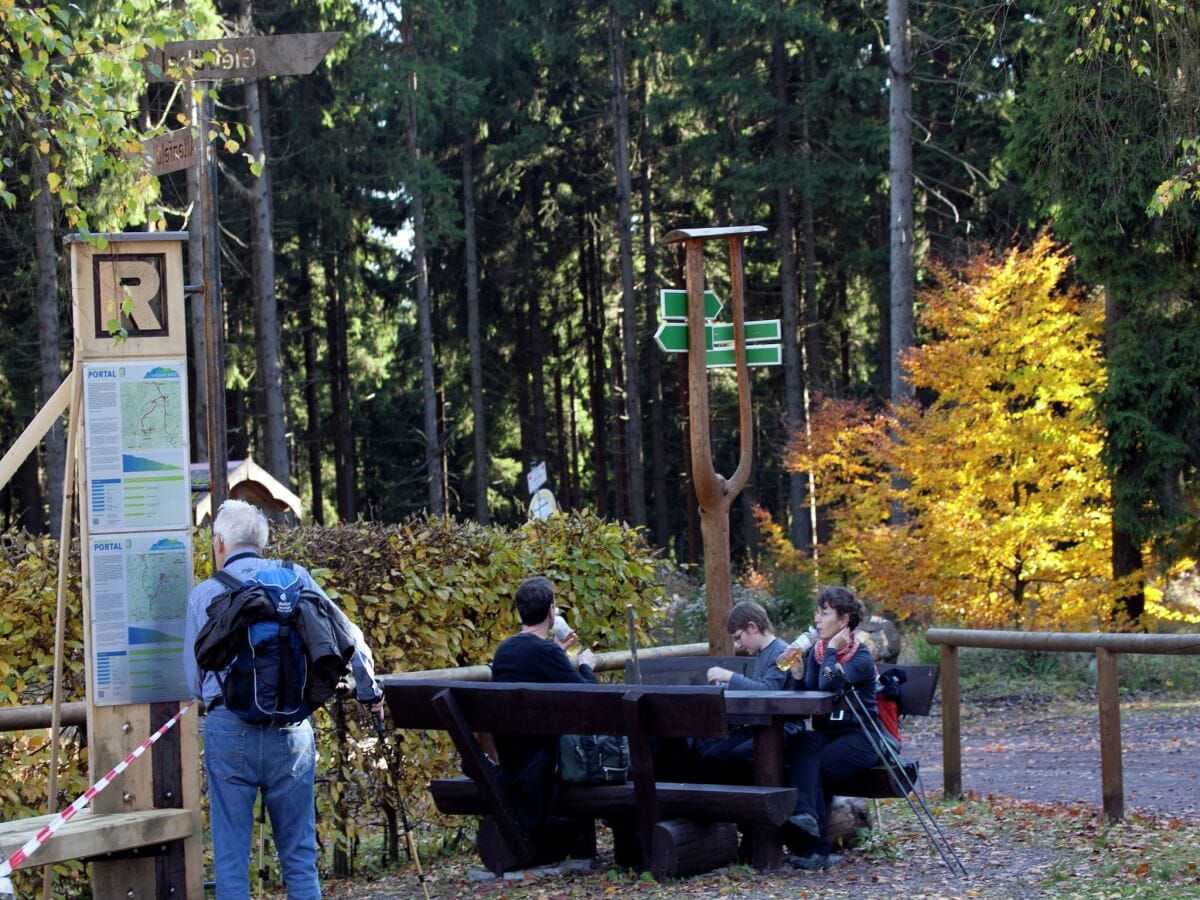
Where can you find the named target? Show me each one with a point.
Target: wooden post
(214, 311)
(146, 268)
(64, 555)
(951, 729)
(1111, 777)
(715, 493)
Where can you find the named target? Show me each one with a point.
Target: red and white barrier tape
(85, 798)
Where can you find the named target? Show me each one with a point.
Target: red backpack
(889, 701)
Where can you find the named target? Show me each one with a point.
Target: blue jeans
(279, 760)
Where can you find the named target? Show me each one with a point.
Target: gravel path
(1053, 755)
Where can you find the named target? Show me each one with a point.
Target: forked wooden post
(714, 493)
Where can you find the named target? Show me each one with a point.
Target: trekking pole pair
(901, 782)
(381, 733)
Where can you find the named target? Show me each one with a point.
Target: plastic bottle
(796, 649)
(560, 631)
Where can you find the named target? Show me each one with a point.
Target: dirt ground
(1031, 824)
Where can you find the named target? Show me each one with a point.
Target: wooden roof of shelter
(247, 481)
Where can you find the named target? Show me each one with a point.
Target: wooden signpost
(714, 493)
(128, 409)
(198, 62)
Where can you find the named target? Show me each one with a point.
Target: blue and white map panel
(136, 431)
(140, 583)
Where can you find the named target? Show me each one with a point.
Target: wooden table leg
(767, 850)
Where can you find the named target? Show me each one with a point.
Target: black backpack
(255, 622)
(593, 758)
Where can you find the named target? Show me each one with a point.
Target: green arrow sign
(756, 355)
(673, 304)
(672, 337)
(762, 330)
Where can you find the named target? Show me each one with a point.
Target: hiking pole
(878, 742)
(923, 815)
(896, 770)
(262, 840)
(381, 733)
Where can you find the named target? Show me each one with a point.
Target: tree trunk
(654, 367)
(575, 499)
(262, 276)
(901, 206)
(788, 288)
(596, 371)
(537, 372)
(339, 390)
(620, 422)
(633, 401)
(266, 314)
(810, 344)
(1126, 552)
(474, 345)
(27, 488)
(312, 403)
(433, 438)
(49, 354)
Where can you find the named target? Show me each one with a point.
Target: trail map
(137, 445)
(140, 583)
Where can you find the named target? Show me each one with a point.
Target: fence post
(951, 733)
(1112, 783)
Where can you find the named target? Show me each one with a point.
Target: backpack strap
(230, 581)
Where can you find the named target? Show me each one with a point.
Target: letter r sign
(137, 279)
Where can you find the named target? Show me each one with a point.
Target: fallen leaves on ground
(1010, 848)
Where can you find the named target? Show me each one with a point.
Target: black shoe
(806, 823)
(813, 862)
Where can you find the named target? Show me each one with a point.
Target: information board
(137, 445)
(140, 583)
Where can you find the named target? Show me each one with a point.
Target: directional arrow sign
(756, 355)
(761, 330)
(672, 337)
(673, 304)
(251, 57)
(170, 152)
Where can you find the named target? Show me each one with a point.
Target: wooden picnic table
(463, 708)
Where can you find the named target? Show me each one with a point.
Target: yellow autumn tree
(999, 476)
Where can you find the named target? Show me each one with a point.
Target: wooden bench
(878, 782)
(671, 829)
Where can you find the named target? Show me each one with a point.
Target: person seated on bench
(528, 762)
(731, 759)
(836, 748)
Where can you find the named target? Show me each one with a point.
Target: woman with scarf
(836, 748)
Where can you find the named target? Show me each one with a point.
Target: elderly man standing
(242, 758)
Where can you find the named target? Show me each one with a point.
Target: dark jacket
(328, 646)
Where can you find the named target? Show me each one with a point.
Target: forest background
(442, 256)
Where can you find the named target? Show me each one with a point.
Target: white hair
(241, 524)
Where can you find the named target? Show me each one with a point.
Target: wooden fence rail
(1105, 646)
(605, 662)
